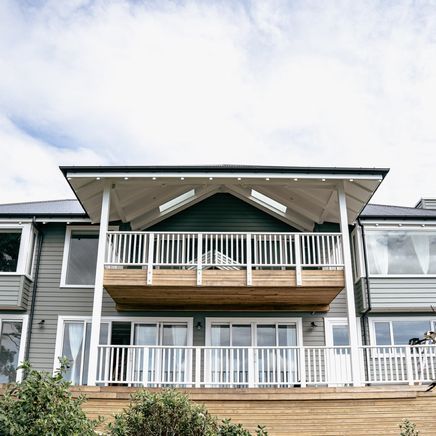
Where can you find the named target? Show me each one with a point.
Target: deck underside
(223, 290)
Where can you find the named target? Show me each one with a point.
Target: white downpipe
(349, 286)
(98, 288)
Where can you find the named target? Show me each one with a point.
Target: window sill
(77, 286)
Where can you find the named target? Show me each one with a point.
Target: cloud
(279, 82)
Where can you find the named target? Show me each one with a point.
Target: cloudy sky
(340, 83)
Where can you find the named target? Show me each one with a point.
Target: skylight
(268, 201)
(177, 200)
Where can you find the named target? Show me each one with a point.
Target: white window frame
(372, 337)
(65, 256)
(255, 322)
(357, 254)
(330, 322)
(21, 353)
(189, 321)
(398, 226)
(24, 256)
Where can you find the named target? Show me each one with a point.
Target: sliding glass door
(166, 360)
(11, 348)
(251, 353)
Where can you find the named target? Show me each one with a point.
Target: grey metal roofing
(43, 208)
(226, 168)
(400, 212)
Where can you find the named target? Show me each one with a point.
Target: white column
(349, 286)
(98, 288)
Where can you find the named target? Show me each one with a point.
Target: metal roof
(400, 212)
(226, 168)
(43, 208)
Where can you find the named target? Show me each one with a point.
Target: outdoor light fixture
(199, 325)
(313, 324)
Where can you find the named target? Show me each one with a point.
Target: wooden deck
(223, 289)
(310, 411)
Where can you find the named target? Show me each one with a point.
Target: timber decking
(310, 411)
(223, 290)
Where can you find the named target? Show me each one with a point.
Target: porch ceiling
(309, 194)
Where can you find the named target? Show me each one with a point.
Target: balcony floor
(177, 289)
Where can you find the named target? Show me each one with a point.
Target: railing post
(251, 368)
(302, 367)
(199, 259)
(409, 367)
(150, 259)
(197, 367)
(249, 267)
(298, 276)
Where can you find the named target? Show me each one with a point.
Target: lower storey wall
(310, 411)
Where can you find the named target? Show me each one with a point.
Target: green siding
(222, 213)
(14, 292)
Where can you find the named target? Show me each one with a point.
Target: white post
(349, 286)
(298, 272)
(98, 288)
(249, 267)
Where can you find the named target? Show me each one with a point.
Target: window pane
(340, 335)
(266, 335)
(82, 259)
(9, 250)
(241, 335)
(175, 335)
(220, 335)
(405, 330)
(10, 339)
(145, 334)
(287, 335)
(382, 333)
(72, 349)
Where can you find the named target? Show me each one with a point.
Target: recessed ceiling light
(210, 178)
(295, 180)
(239, 178)
(323, 180)
(97, 178)
(69, 178)
(351, 180)
(153, 178)
(182, 178)
(126, 178)
(267, 178)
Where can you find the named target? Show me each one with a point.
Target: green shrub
(170, 412)
(408, 428)
(42, 404)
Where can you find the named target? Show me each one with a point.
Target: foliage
(163, 413)
(228, 428)
(408, 428)
(170, 412)
(42, 404)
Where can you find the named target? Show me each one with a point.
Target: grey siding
(415, 294)
(14, 292)
(222, 213)
(360, 296)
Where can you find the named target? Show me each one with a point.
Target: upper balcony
(244, 271)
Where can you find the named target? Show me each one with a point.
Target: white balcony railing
(227, 251)
(165, 366)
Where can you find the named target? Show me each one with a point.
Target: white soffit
(136, 198)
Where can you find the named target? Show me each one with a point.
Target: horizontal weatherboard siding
(14, 292)
(222, 213)
(416, 294)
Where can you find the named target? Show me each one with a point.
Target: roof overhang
(309, 193)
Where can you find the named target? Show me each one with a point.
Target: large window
(401, 252)
(80, 257)
(399, 331)
(12, 332)
(9, 249)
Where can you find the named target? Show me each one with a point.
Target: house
(223, 279)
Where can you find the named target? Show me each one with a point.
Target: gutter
(34, 289)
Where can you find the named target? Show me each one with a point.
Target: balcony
(223, 271)
(262, 367)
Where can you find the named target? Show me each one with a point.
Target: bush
(42, 404)
(408, 428)
(170, 412)
(163, 413)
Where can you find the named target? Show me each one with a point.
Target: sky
(118, 82)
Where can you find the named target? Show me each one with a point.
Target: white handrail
(224, 250)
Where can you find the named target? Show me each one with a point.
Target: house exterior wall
(15, 292)
(53, 301)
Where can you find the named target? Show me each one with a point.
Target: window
(399, 331)
(401, 252)
(12, 342)
(80, 257)
(10, 241)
